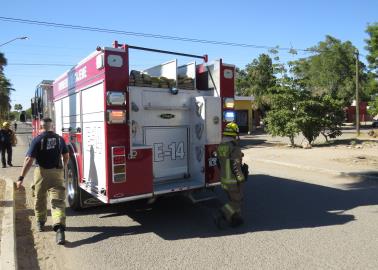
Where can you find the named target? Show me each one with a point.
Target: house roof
(250, 98)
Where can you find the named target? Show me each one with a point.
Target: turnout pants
(7, 148)
(49, 181)
(235, 197)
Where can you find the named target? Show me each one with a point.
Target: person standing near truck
(48, 149)
(7, 140)
(232, 177)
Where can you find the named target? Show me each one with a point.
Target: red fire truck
(41, 104)
(138, 134)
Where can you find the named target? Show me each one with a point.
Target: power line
(147, 35)
(39, 64)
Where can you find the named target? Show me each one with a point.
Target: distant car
(375, 123)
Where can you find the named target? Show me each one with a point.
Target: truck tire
(72, 186)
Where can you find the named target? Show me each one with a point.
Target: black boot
(60, 237)
(40, 226)
(236, 220)
(219, 220)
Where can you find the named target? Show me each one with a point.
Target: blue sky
(298, 24)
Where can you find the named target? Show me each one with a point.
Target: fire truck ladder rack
(204, 57)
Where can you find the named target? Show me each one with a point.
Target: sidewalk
(9, 175)
(7, 229)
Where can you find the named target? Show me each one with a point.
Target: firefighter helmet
(231, 129)
(6, 125)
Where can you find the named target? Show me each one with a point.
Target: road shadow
(369, 179)
(249, 142)
(363, 126)
(271, 203)
(344, 142)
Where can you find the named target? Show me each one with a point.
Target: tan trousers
(235, 197)
(49, 181)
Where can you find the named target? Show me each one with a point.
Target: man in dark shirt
(48, 149)
(7, 140)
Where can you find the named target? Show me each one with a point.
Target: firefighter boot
(60, 237)
(219, 220)
(236, 220)
(40, 226)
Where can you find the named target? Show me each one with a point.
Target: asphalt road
(290, 224)
(295, 219)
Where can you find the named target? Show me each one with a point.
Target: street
(294, 219)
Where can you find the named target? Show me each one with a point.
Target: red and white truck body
(131, 142)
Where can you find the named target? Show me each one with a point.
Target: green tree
(3, 62)
(373, 106)
(309, 117)
(18, 107)
(13, 115)
(332, 117)
(28, 113)
(372, 57)
(256, 79)
(371, 85)
(5, 90)
(372, 46)
(280, 120)
(242, 83)
(331, 70)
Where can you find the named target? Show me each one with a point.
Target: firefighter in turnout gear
(232, 177)
(48, 149)
(7, 140)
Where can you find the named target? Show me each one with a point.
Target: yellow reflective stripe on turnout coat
(229, 156)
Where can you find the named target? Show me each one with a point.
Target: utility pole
(357, 98)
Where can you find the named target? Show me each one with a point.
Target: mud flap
(87, 200)
(200, 196)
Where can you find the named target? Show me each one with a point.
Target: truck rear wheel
(72, 186)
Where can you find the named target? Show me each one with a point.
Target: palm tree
(3, 62)
(5, 89)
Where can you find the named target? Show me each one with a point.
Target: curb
(8, 260)
(311, 168)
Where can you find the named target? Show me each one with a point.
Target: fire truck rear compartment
(170, 152)
(174, 127)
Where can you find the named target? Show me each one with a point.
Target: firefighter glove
(245, 170)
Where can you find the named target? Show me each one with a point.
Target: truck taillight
(119, 151)
(229, 103)
(115, 98)
(116, 116)
(118, 164)
(119, 160)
